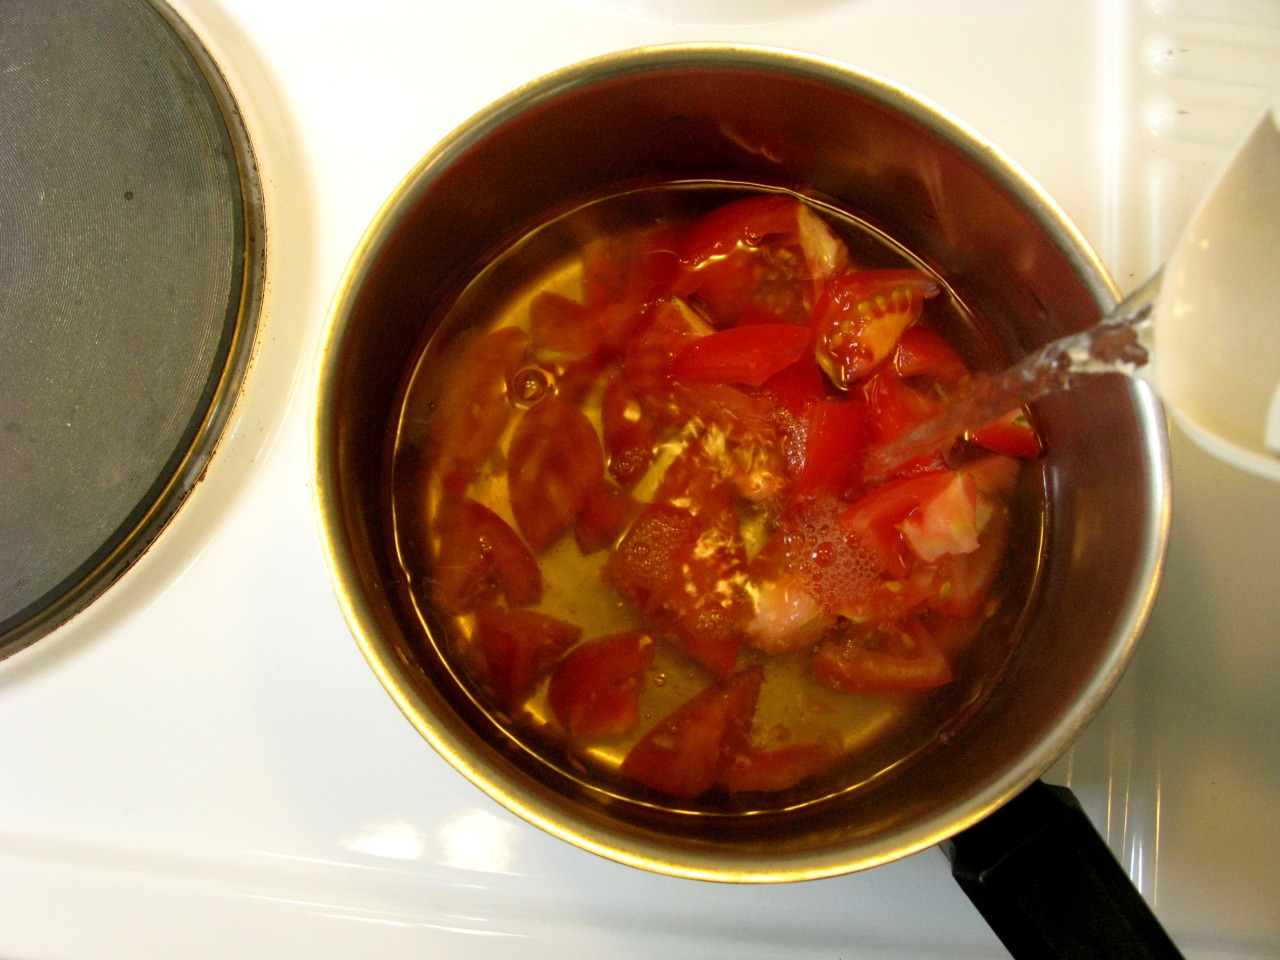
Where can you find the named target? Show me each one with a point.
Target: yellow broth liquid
(876, 733)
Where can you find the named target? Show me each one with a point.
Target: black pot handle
(1049, 886)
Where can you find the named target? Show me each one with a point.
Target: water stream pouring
(1205, 329)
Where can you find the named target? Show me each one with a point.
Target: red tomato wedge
(776, 768)
(664, 333)
(885, 659)
(1011, 434)
(764, 253)
(632, 271)
(595, 691)
(830, 447)
(607, 512)
(559, 325)
(681, 571)
(553, 465)
(749, 355)
(894, 407)
(518, 648)
(860, 316)
(875, 519)
(922, 353)
(798, 385)
(685, 753)
(477, 556)
(628, 431)
(473, 408)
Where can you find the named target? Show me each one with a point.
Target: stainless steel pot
(778, 118)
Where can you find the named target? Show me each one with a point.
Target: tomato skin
(747, 355)
(883, 660)
(894, 408)
(517, 649)
(859, 317)
(477, 556)
(828, 458)
(684, 754)
(553, 465)
(1011, 434)
(595, 690)
(473, 408)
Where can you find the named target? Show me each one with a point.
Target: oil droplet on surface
(529, 385)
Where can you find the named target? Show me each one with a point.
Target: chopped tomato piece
(951, 634)
(684, 754)
(1011, 434)
(633, 270)
(965, 579)
(559, 325)
(922, 353)
(787, 616)
(749, 355)
(860, 316)
(477, 556)
(554, 464)
(887, 658)
(732, 438)
(894, 408)
(768, 252)
(517, 649)
(770, 769)
(473, 408)
(832, 441)
(607, 512)
(798, 385)
(683, 572)
(665, 332)
(875, 519)
(565, 342)
(645, 564)
(946, 522)
(695, 482)
(595, 691)
(996, 475)
(835, 567)
(629, 436)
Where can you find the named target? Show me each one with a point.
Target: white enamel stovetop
(202, 765)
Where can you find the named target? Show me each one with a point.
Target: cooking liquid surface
(875, 733)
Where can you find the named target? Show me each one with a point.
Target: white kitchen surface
(202, 765)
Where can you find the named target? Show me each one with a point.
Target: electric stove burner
(130, 282)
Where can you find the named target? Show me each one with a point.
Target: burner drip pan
(130, 285)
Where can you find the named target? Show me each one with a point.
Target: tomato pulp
(636, 468)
